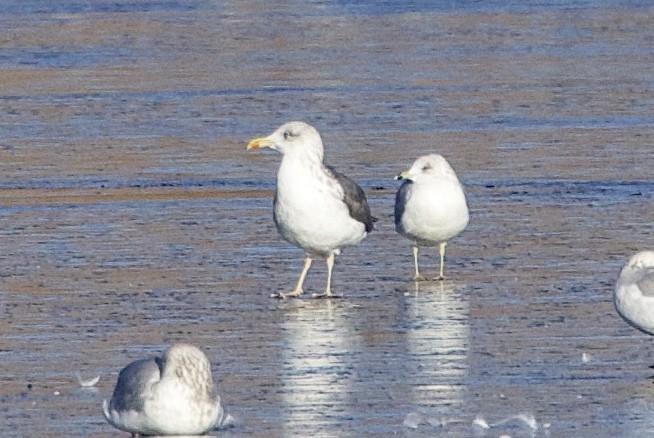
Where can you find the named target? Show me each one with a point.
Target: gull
(430, 206)
(169, 395)
(634, 292)
(315, 208)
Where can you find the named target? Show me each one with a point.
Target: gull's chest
(306, 190)
(169, 395)
(176, 408)
(434, 199)
(434, 212)
(310, 212)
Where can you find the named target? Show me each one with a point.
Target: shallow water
(132, 217)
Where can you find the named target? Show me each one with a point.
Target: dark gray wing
(355, 199)
(132, 382)
(401, 199)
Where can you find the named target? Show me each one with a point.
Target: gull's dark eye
(426, 167)
(288, 134)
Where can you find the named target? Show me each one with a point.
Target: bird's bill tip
(403, 175)
(261, 142)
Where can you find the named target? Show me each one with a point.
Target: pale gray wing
(402, 197)
(355, 199)
(133, 381)
(646, 284)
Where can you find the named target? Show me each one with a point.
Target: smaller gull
(430, 206)
(315, 207)
(169, 395)
(634, 292)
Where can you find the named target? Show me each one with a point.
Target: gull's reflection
(317, 368)
(438, 339)
(637, 418)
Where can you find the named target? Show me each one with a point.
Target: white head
(427, 167)
(639, 269)
(190, 366)
(292, 138)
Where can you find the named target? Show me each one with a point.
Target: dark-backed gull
(315, 207)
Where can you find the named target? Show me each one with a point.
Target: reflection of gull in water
(430, 207)
(437, 339)
(171, 395)
(639, 408)
(317, 372)
(634, 292)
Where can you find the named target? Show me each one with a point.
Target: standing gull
(634, 292)
(169, 395)
(430, 206)
(315, 207)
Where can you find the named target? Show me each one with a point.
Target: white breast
(175, 408)
(309, 209)
(435, 211)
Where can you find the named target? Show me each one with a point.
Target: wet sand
(131, 216)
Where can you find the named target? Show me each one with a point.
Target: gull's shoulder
(134, 382)
(402, 197)
(354, 197)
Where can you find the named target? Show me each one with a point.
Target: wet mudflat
(131, 216)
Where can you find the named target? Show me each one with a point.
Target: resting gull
(315, 207)
(430, 206)
(169, 395)
(634, 292)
